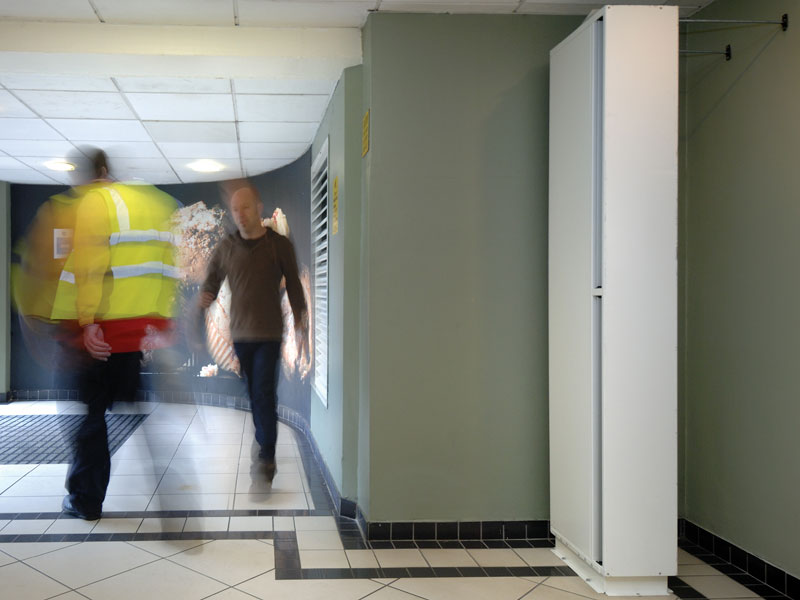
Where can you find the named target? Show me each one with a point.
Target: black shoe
(270, 468)
(69, 509)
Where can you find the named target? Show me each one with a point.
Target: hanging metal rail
(784, 23)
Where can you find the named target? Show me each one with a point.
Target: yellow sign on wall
(335, 205)
(365, 135)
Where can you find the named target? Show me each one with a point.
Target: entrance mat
(47, 439)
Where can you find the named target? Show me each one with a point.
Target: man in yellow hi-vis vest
(119, 284)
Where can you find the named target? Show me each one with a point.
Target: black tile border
(747, 569)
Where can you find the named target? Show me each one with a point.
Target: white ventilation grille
(319, 250)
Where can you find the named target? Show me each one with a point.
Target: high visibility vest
(141, 277)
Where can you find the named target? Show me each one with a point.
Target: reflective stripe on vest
(141, 235)
(147, 268)
(67, 276)
(123, 218)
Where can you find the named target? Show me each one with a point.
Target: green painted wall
(335, 427)
(455, 226)
(741, 217)
(5, 307)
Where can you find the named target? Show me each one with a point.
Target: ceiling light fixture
(59, 165)
(205, 165)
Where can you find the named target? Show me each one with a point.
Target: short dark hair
(99, 163)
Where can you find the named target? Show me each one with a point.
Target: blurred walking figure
(119, 284)
(255, 259)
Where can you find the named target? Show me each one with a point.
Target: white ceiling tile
(37, 162)
(180, 131)
(137, 164)
(173, 12)
(182, 164)
(27, 129)
(6, 163)
(257, 13)
(25, 176)
(75, 83)
(76, 105)
(421, 6)
(272, 150)
(284, 86)
(50, 149)
(189, 175)
(158, 177)
(11, 107)
(183, 85)
(49, 10)
(198, 150)
(128, 130)
(256, 166)
(182, 107)
(281, 107)
(125, 149)
(277, 132)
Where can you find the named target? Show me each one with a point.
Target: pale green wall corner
(5, 307)
(335, 427)
(740, 211)
(455, 206)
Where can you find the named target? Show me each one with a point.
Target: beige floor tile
(139, 467)
(158, 525)
(231, 594)
(254, 482)
(154, 439)
(270, 501)
(206, 524)
(6, 481)
(697, 569)
(21, 581)
(497, 557)
(315, 524)
(195, 483)
(229, 561)
(191, 502)
(250, 524)
(540, 557)
(16, 470)
(37, 486)
(323, 559)
(319, 540)
(132, 485)
(59, 470)
(400, 558)
(543, 592)
(166, 548)
(70, 596)
(684, 558)
(145, 453)
(576, 585)
(117, 525)
(267, 588)
(88, 562)
(24, 550)
(203, 465)
(283, 523)
(31, 504)
(29, 526)
(448, 558)
(719, 587)
(6, 559)
(125, 503)
(195, 439)
(3, 523)
(466, 588)
(217, 451)
(389, 593)
(362, 559)
(160, 580)
(71, 526)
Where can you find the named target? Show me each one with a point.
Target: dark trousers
(259, 362)
(100, 384)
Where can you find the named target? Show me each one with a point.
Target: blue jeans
(259, 362)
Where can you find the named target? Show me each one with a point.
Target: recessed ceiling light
(59, 165)
(205, 165)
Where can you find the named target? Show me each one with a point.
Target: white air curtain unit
(613, 298)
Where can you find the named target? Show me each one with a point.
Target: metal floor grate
(47, 439)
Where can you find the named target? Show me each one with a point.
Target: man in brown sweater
(255, 259)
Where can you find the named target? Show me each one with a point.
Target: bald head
(246, 212)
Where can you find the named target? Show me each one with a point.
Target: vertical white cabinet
(613, 298)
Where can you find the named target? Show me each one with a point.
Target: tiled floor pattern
(186, 519)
